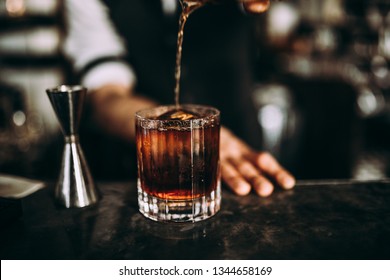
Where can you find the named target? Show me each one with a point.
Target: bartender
(124, 52)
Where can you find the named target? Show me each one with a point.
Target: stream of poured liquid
(188, 6)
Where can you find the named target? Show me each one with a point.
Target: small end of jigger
(75, 186)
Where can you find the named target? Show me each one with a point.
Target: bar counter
(328, 220)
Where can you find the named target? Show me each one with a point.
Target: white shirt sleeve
(91, 35)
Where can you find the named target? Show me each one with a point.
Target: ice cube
(178, 114)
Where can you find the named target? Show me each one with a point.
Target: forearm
(114, 109)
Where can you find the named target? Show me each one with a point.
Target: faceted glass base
(192, 210)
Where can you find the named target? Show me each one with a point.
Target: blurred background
(320, 93)
(30, 61)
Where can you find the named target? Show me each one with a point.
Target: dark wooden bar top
(328, 220)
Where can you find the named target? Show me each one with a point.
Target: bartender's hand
(244, 169)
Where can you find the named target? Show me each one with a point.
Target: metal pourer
(75, 186)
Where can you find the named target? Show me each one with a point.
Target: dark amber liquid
(178, 164)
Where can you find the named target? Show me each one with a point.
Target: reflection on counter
(352, 224)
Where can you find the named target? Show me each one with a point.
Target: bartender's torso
(216, 63)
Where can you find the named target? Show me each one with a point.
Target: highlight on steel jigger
(75, 186)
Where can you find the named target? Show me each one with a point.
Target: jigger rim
(66, 88)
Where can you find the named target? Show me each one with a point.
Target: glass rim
(66, 89)
(212, 112)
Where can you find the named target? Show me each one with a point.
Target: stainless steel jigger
(75, 186)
